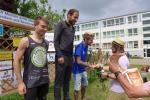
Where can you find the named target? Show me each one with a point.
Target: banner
(51, 57)
(16, 41)
(5, 55)
(15, 18)
(1, 30)
(50, 38)
(5, 65)
(5, 74)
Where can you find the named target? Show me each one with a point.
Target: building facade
(133, 28)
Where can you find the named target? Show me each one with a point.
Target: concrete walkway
(145, 61)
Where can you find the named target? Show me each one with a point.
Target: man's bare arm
(132, 91)
(17, 61)
(79, 61)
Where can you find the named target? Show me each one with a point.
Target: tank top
(35, 64)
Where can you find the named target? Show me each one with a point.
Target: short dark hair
(72, 11)
(37, 19)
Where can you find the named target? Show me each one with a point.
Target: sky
(98, 9)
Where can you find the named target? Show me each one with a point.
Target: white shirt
(115, 85)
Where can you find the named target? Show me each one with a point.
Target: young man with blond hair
(80, 66)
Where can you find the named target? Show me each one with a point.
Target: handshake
(96, 66)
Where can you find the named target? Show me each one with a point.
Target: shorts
(80, 79)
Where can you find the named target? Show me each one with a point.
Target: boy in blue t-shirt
(80, 65)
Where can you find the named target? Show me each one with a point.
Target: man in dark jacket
(63, 42)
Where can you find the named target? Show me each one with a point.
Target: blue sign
(1, 30)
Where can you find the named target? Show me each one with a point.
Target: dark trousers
(62, 78)
(37, 93)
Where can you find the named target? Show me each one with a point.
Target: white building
(133, 28)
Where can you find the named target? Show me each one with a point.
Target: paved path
(145, 61)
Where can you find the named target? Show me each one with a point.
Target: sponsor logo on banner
(5, 55)
(5, 74)
(51, 57)
(50, 37)
(1, 30)
(5, 65)
(16, 41)
(15, 18)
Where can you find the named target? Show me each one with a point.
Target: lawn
(96, 90)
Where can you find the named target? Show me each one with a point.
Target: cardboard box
(134, 77)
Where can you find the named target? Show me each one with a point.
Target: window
(108, 23)
(96, 36)
(129, 32)
(83, 27)
(132, 19)
(97, 45)
(146, 41)
(135, 31)
(132, 32)
(135, 19)
(146, 22)
(93, 25)
(93, 45)
(108, 34)
(146, 35)
(77, 38)
(86, 26)
(89, 26)
(132, 44)
(129, 19)
(113, 33)
(104, 35)
(117, 21)
(106, 45)
(96, 24)
(135, 44)
(146, 28)
(104, 23)
(146, 15)
(122, 33)
(117, 33)
(121, 21)
(77, 28)
(112, 22)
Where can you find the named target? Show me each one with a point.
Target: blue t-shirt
(80, 51)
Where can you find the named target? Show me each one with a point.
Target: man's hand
(104, 75)
(61, 60)
(92, 66)
(21, 88)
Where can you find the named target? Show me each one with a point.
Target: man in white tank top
(118, 57)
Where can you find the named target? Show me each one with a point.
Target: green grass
(95, 91)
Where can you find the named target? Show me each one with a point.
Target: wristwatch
(117, 74)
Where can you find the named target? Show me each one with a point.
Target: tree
(32, 9)
(7, 5)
